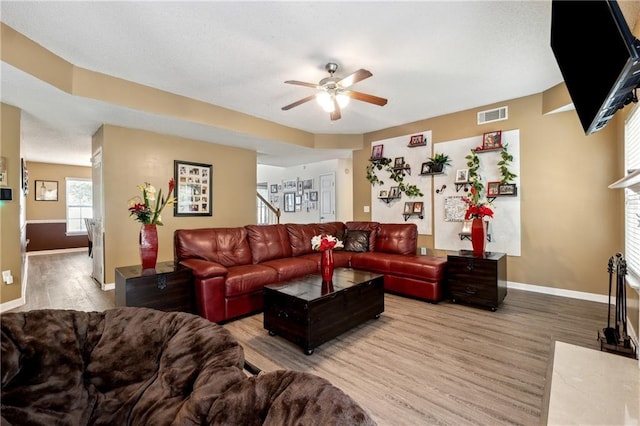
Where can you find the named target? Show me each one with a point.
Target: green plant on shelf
(503, 165)
(438, 161)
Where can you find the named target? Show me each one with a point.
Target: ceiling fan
(333, 93)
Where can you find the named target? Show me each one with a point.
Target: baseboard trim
(601, 298)
(55, 251)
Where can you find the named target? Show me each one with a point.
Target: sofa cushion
(397, 238)
(356, 240)
(268, 242)
(246, 279)
(366, 226)
(332, 228)
(293, 267)
(226, 246)
(300, 237)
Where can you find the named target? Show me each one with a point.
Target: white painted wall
(343, 169)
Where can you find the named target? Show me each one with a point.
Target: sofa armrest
(204, 268)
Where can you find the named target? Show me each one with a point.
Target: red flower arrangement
(325, 242)
(476, 209)
(148, 208)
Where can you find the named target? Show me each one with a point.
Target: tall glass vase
(148, 246)
(479, 236)
(326, 265)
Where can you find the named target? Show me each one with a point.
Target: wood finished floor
(419, 364)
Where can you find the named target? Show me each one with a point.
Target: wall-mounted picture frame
(462, 176)
(425, 168)
(394, 192)
(417, 207)
(46, 190)
(289, 202)
(25, 177)
(273, 188)
(493, 189)
(3, 172)
(417, 140)
(307, 184)
(289, 185)
(507, 189)
(300, 187)
(298, 200)
(398, 162)
(492, 140)
(193, 189)
(408, 207)
(313, 195)
(376, 152)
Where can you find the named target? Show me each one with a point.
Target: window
(79, 204)
(632, 198)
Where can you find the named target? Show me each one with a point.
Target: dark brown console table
(308, 313)
(167, 288)
(477, 280)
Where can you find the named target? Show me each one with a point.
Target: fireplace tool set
(615, 338)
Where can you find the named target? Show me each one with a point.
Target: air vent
(491, 115)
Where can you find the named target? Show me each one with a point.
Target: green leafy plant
(473, 163)
(504, 163)
(397, 175)
(378, 164)
(439, 158)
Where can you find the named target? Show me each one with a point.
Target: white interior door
(98, 215)
(328, 197)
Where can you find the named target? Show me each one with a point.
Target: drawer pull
(470, 290)
(283, 314)
(162, 281)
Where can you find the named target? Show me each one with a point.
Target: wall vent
(491, 115)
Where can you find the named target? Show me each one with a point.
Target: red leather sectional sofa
(232, 265)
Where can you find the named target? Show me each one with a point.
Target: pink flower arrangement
(148, 208)
(476, 209)
(325, 242)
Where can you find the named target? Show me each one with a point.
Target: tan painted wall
(51, 210)
(132, 157)
(570, 220)
(10, 211)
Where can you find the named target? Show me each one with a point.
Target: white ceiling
(428, 58)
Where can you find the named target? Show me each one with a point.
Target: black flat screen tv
(598, 57)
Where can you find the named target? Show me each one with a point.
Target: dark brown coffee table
(308, 313)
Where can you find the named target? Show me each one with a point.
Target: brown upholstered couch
(231, 266)
(138, 366)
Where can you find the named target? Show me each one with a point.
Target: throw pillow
(356, 240)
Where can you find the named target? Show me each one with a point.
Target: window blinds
(632, 198)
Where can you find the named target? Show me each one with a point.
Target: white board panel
(505, 226)
(414, 156)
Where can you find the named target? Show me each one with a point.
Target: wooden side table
(167, 288)
(477, 280)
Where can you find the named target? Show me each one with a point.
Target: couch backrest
(227, 246)
(268, 242)
(332, 228)
(372, 227)
(399, 238)
(300, 237)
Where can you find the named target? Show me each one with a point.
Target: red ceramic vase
(326, 265)
(148, 246)
(479, 236)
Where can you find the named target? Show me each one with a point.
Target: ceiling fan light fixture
(325, 100)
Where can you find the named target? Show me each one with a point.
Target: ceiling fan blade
(336, 115)
(301, 83)
(355, 77)
(300, 102)
(365, 97)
